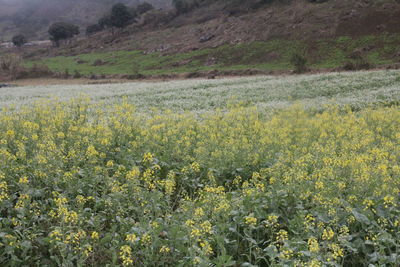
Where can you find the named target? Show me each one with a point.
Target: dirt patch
(371, 22)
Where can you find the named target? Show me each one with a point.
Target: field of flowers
(91, 183)
(357, 89)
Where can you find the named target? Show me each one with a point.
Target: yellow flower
(328, 234)
(110, 164)
(189, 222)
(131, 238)
(207, 249)
(148, 157)
(195, 233)
(23, 180)
(389, 201)
(313, 245)
(337, 252)
(286, 254)
(133, 174)
(195, 167)
(313, 263)
(282, 235)
(199, 212)
(206, 227)
(165, 249)
(125, 254)
(250, 220)
(60, 135)
(91, 151)
(95, 235)
(146, 239)
(272, 220)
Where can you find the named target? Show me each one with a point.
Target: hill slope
(231, 37)
(32, 17)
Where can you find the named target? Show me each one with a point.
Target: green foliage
(91, 29)
(144, 7)
(357, 61)
(105, 21)
(273, 55)
(299, 62)
(19, 40)
(61, 31)
(120, 16)
(94, 184)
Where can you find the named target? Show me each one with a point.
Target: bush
(299, 62)
(143, 8)
(19, 40)
(33, 72)
(77, 75)
(10, 64)
(105, 21)
(92, 29)
(61, 31)
(121, 16)
(357, 61)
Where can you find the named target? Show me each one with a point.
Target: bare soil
(298, 20)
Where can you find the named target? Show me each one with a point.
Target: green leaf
(361, 217)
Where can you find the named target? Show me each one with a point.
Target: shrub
(10, 64)
(34, 72)
(120, 16)
(61, 31)
(357, 61)
(19, 40)
(9, 61)
(143, 8)
(66, 74)
(92, 29)
(77, 75)
(299, 62)
(105, 21)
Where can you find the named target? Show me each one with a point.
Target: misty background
(33, 17)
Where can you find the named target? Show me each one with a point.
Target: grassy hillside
(268, 56)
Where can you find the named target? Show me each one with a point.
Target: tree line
(118, 17)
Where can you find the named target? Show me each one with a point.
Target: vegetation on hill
(228, 36)
(61, 31)
(274, 55)
(32, 18)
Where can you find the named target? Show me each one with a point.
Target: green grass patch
(271, 55)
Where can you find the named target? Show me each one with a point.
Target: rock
(212, 74)
(80, 61)
(206, 38)
(210, 61)
(99, 62)
(182, 63)
(3, 85)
